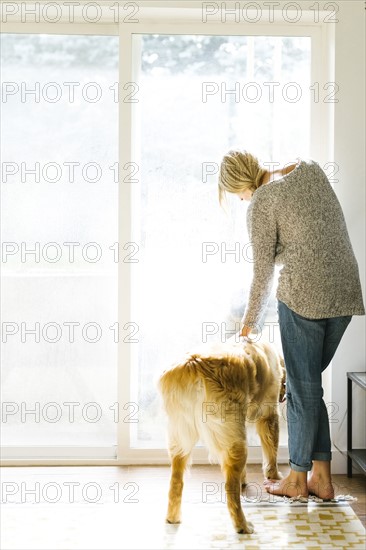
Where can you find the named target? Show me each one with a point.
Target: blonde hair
(239, 171)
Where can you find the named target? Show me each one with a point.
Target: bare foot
(321, 488)
(287, 487)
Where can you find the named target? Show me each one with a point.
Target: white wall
(349, 153)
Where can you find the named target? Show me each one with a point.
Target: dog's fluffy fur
(209, 396)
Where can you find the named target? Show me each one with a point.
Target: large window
(116, 256)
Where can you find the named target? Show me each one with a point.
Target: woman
(295, 220)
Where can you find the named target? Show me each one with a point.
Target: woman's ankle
(321, 470)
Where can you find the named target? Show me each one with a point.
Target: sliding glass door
(116, 257)
(200, 96)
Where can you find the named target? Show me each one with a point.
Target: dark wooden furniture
(357, 456)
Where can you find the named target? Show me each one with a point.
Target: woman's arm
(262, 231)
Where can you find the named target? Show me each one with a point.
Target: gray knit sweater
(297, 222)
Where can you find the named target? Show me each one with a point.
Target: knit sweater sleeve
(262, 231)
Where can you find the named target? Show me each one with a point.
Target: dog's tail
(180, 383)
(183, 392)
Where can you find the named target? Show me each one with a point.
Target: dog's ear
(282, 395)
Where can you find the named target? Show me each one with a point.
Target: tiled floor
(119, 508)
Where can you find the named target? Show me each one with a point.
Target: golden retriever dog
(209, 397)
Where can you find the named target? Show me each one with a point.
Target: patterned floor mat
(278, 525)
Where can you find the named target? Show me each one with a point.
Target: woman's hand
(245, 331)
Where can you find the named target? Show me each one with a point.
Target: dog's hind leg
(268, 431)
(179, 463)
(182, 438)
(233, 465)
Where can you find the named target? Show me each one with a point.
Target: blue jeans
(308, 347)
